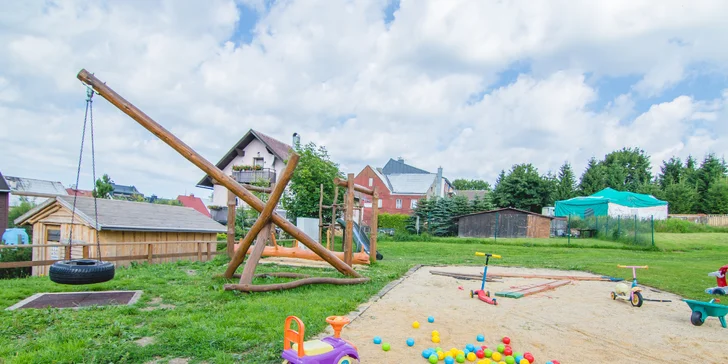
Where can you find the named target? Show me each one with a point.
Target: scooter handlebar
(632, 266)
(479, 254)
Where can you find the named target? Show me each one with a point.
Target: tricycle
(329, 350)
(635, 292)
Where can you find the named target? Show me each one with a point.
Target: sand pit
(576, 323)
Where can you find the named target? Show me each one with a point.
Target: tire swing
(83, 271)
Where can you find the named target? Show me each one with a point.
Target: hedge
(398, 222)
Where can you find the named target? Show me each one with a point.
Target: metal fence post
(568, 230)
(619, 219)
(652, 226)
(635, 229)
(496, 227)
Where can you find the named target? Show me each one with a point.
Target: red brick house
(400, 187)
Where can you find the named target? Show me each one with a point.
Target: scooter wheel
(637, 299)
(614, 295)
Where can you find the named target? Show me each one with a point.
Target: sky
(472, 86)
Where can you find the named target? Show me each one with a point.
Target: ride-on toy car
(329, 350)
(629, 293)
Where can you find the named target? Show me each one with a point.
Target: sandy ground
(576, 323)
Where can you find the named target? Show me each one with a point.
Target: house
(255, 157)
(610, 202)
(195, 203)
(4, 204)
(124, 191)
(504, 223)
(471, 194)
(35, 190)
(400, 187)
(140, 226)
(83, 193)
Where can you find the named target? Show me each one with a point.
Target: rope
(78, 175)
(93, 166)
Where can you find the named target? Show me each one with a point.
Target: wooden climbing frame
(349, 216)
(267, 214)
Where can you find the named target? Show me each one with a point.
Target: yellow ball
(434, 333)
(502, 362)
(440, 355)
(524, 361)
(436, 339)
(496, 356)
(472, 357)
(454, 351)
(484, 361)
(415, 324)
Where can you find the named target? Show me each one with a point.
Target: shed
(610, 202)
(128, 231)
(4, 204)
(506, 223)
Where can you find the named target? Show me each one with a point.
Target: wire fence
(624, 229)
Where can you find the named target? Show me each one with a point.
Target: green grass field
(210, 324)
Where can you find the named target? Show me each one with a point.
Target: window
(258, 161)
(399, 203)
(413, 204)
(53, 234)
(371, 181)
(379, 204)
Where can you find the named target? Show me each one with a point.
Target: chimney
(440, 192)
(400, 159)
(296, 140)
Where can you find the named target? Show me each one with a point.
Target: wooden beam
(257, 188)
(249, 269)
(374, 226)
(332, 227)
(264, 217)
(359, 188)
(183, 149)
(349, 219)
(294, 284)
(230, 223)
(321, 211)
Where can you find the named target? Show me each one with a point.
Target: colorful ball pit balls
(529, 357)
(433, 359)
(386, 347)
(470, 347)
(471, 356)
(480, 354)
(436, 339)
(426, 353)
(518, 358)
(480, 338)
(410, 342)
(430, 319)
(440, 355)
(501, 348)
(496, 356)
(488, 353)
(377, 340)
(449, 360)
(510, 360)
(517, 354)
(524, 361)
(416, 324)
(508, 351)
(460, 358)
(506, 340)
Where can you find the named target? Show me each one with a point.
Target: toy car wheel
(472, 294)
(614, 295)
(637, 299)
(348, 360)
(696, 318)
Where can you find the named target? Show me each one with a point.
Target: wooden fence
(204, 251)
(710, 220)
(718, 220)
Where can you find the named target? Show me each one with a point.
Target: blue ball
(481, 338)
(466, 351)
(449, 360)
(377, 340)
(470, 347)
(426, 353)
(518, 359)
(410, 342)
(430, 319)
(549, 362)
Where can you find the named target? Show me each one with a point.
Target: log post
(209, 251)
(349, 219)
(374, 228)
(332, 227)
(84, 251)
(199, 251)
(321, 218)
(230, 223)
(215, 173)
(264, 218)
(150, 251)
(249, 269)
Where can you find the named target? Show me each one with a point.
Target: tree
(566, 185)
(711, 171)
(522, 188)
(314, 168)
(498, 198)
(627, 169)
(103, 187)
(671, 172)
(593, 179)
(689, 173)
(716, 197)
(484, 203)
(681, 197)
(473, 184)
(18, 211)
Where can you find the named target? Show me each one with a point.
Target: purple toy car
(330, 350)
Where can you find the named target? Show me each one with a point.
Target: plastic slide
(360, 239)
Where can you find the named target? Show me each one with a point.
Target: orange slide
(281, 251)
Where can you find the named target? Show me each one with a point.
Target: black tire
(696, 318)
(81, 271)
(379, 256)
(639, 300)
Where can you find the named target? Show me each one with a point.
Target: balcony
(255, 175)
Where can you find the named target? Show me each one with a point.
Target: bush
(398, 222)
(16, 255)
(686, 227)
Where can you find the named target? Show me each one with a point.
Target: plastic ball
(555, 362)
(506, 340)
(461, 352)
(501, 348)
(517, 354)
(496, 356)
(415, 324)
(466, 352)
(518, 358)
(480, 338)
(436, 339)
(471, 356)
(480, 354)
(524, 361)
(449, 360)
(470, 347)
(438, 349)
(435, 333)
(508, 351)
(385, 347)
(510, 360)
(488, 353)
(431, 319)
(426, 353)
(410, 342)
(484, 347)
(528, 356)
(377, 340)
(460, 358)
(440, 355)
(433, 359)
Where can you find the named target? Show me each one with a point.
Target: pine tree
(716, 201)
(498, 198)
(671, 172)
(711, 171)
(593, 179)
(566, 186)
(681, 197)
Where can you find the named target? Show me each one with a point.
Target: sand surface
(576, 323)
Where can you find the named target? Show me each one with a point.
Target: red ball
(508, 351)
(480, 354)
(555, 362)
(529, 357)
(484, 347)
(506, 340)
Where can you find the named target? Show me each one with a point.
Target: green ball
(433, 358)
(385, 347)
(510, 360)
(501, 348)
(460, 358)
(488, 353)
(517, 354)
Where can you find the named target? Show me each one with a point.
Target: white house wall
(219, 192)
(657, 212)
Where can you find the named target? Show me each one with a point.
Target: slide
(360, 239)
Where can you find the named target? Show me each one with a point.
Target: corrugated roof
(276, 147)
(399, 167)
(195, 203)
(3, 185)
(411, 183)
(34, 187)
(503, 209)
(119, 215)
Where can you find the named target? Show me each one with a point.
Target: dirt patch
(156, 304)
(575, 323)
(191, 272)
(144, 341)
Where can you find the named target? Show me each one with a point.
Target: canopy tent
(610, 202)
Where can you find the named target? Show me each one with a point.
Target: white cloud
(422, 88)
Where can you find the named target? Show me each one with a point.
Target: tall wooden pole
(209, 168)
(230, 223)
(349, 219)
(321, 218)
(332, 227)
(374, 228)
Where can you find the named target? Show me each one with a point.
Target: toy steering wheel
(337, 323)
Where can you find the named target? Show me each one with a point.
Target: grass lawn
(207, 323)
